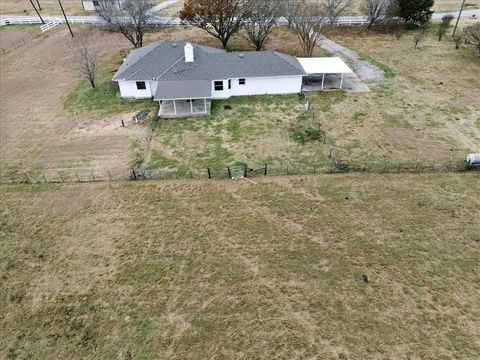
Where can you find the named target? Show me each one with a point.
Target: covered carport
(325, 73)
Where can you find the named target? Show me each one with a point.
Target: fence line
(331, 167)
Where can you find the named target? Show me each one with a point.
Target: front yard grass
(104, 100)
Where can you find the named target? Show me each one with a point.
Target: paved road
(174, 20)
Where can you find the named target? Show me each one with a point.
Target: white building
(89, 5)
(184, 78)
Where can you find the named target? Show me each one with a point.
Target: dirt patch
(427, 149)
(34, 124)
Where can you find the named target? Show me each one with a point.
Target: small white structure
(325, 66)
(473, 159)
(89, 5)
(184, 78)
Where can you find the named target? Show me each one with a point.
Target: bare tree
(307, 23)
(374, 10)
(333, 9)
(262, 21)
(86, 59)
(472, 35)
(289, 9)
(457, 39)
(132, 18)
(420, 36)
(444, 25)
(219, 18)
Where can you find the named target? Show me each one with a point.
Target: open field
(49, 7)
(236, 271)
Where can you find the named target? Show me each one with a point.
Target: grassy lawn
(424, 109)
(104, 100)
(253, 130)
(234, 270)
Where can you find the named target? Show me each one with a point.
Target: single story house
(184, 78)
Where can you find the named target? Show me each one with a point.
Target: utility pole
(458, 17)
(39, 6)
(65, 16)
(40, 16)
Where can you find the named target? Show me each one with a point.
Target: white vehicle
(473, 159)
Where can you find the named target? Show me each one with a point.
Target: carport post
(205, 104)
(191, 106)
(175, 107)
(341, 82)
(323, 79)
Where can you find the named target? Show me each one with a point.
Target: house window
(229, 84)
(218, 85)
(141, 85)
(241, 81)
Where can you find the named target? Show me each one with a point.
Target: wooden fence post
(44, 178)
(229, 173)
(61, 176)
(93, 177)
(209, 174)
(265, 171)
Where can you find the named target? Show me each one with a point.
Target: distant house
(89, 5)
(184, 78)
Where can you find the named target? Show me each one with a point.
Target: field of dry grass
(49, 7)
(187, 268)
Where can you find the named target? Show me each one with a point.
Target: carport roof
(191, 89)
(324, 65)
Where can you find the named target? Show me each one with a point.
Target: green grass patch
(388, 71)
(105, 99)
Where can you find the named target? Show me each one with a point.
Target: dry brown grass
(49, 7)
(187, 268)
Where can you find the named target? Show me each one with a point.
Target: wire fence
(236, 171)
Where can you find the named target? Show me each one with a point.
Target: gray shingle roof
(164, 61)
(191, 89)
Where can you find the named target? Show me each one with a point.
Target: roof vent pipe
(189, 52)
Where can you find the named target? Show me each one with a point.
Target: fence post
(78, 179)
(61, 176)
(265, 171)
(229, 173)
(28, 177)
(109, 175)
(93, 177)
(245, 170)
(44, 178)
(209, 174)
(416, 165)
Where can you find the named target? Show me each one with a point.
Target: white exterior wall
(260, 86)
(128, 89)
(88, 5)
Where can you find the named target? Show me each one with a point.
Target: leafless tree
(132, 18)
(472, 35)
(289, 10)
(219, 18)
(307, 23)
(420, 36)
(333, 9)
(458, 38)
(444, 25)
(262, 21)
(86, 59)
(374, 10)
